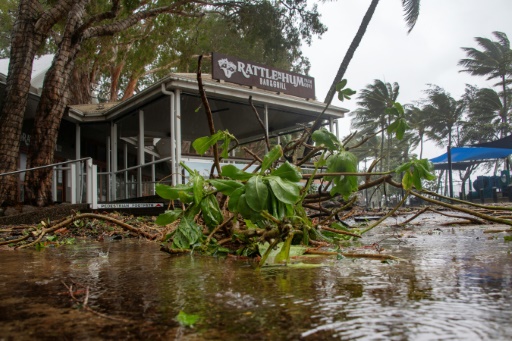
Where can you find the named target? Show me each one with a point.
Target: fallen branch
(498, 231)
(69, 220)
(84, 304)
(340, 231)
(414, 216)
(353, 255)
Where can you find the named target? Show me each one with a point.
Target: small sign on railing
(129, 205)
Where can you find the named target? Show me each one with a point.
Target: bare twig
(209, 114)
(267, 141)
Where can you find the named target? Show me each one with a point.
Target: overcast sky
(428, 55)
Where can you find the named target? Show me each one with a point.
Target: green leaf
(404, 167)
(187, 320)
(326, 138)
(231, 171)
(168, 217)
(284, 255)
(287, 171)
(285, 191)
(171, 193)
(256, 193)
(202, 144)
(271, 157)
(342, 162)
(234, 198)
(416, 179)
(294, 251)
(399, 108)
(212, 214)
(187, 234)
(226, 187)
(392, 127)
(402, 127)
(197, 186)
(407, 181)
(245, 210)
(340, 85)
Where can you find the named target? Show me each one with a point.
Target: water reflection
(456, 286)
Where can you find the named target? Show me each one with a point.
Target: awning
(460, 154)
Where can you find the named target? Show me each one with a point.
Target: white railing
(76, 179)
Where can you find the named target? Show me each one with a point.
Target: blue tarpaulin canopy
(460, 154)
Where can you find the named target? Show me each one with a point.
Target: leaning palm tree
(493, 61)
(416, 119)
(411, 13)
(371, 117)
(483, 121)
(443, 114)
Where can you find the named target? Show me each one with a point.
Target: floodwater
(457, 285)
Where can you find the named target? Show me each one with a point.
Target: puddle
(457, 286)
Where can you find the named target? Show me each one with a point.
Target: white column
(153, 176)
(140, 152)
(177, 115)
(113, 157)
(126, 172)
(266, 125)
(78, 185)
(109, 168)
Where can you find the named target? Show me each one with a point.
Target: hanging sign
(239, 71)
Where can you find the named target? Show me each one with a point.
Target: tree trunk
(30, 29)
(49, 113)
(115, 74)
(344, 64)
(81, 92)
(351, 50)
(130, 87)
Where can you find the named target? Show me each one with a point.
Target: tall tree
(482, 122)
(31, 29)
(416, 119)
(72, 24)
(371, 117)
(495, 62)
(411, 13)
(444, 114)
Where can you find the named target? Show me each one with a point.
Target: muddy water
(456, 286)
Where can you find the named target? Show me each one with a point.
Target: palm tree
(495, 62)
(483, 122)
(373, 101)
(411, 13)
(416, 118)
(443, 114)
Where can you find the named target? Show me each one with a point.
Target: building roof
(39, 68)
(229, 103)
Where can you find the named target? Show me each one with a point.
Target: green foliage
(399, 126)
(287, 171)
(275, 154)
(202, 144)
(168, 217)
(414, 172)
(187, 320)
(325, 138)
(231, 171)
(344, 93)
(342, 162)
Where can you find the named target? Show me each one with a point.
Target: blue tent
(460, 154)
